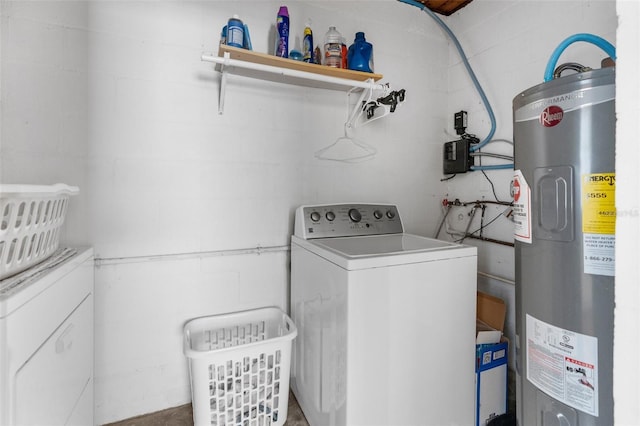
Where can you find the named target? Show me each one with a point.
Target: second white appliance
(46, 343)
(386, 320)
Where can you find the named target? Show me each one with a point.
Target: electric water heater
(564, 205)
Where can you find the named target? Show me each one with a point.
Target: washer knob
(315, 216)
(330, 216)
(377, 214)
(355, 215)
(391, 214)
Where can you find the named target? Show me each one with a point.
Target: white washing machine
(46, 343)
(386, 320)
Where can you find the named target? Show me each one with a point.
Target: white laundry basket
(239, 365)
(31, 217)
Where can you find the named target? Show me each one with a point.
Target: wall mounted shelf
(272, 68)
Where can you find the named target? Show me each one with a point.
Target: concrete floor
(183, 416)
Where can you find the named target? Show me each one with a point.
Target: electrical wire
(480, 154)
(448, 178)
(493, 188)
(491, 154)
(482, 227)
(468, 234)
(465, 61)
(510, 142)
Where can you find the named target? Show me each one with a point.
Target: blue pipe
(467, 66)
(589, 38)
(493, 167)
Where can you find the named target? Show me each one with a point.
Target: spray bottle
(307, 43)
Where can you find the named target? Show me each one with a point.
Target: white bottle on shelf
(333, 48)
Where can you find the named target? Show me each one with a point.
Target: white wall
(168, 176)
(43, 137)
(627, 315)
(174, 181)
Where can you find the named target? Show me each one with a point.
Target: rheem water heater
(564, 189)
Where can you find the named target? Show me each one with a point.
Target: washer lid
(380, 245)
(373, 251)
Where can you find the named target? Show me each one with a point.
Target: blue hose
(589, 38)
(467, 66)
(492, 167)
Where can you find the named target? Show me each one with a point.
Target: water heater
(564, 203)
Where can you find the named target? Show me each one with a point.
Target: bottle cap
(283, 11)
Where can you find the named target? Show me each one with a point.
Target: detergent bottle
(360, 54)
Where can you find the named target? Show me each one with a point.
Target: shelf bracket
(223, 82)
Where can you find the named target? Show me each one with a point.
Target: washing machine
(386, 320)
(46, 342)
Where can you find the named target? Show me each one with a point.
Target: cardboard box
(491, 359)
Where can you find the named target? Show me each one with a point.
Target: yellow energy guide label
(599, 223)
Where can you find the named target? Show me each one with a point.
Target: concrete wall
(626, 362)
(182, 197)
(43, 136)
(190, 212)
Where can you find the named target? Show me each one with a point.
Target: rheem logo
(551, 116)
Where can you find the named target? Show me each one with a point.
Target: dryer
(386, 320)
(46, 342)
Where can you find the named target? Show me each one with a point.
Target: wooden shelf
(275, 61)
(247, 63)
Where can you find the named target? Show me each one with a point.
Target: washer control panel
(346, 220)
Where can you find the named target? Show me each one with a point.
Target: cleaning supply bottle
(333, 48)
(317, 55)
(282, 27)
(247, 38)
(360, 54)
(343, 63)
(235, 32)
(223, 35)
(307, 43)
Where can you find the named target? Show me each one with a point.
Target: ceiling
(445, 7)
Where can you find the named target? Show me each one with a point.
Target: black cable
(448, 178)
(485, 226)
(493, 188)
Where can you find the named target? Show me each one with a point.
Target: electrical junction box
(456, 158)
